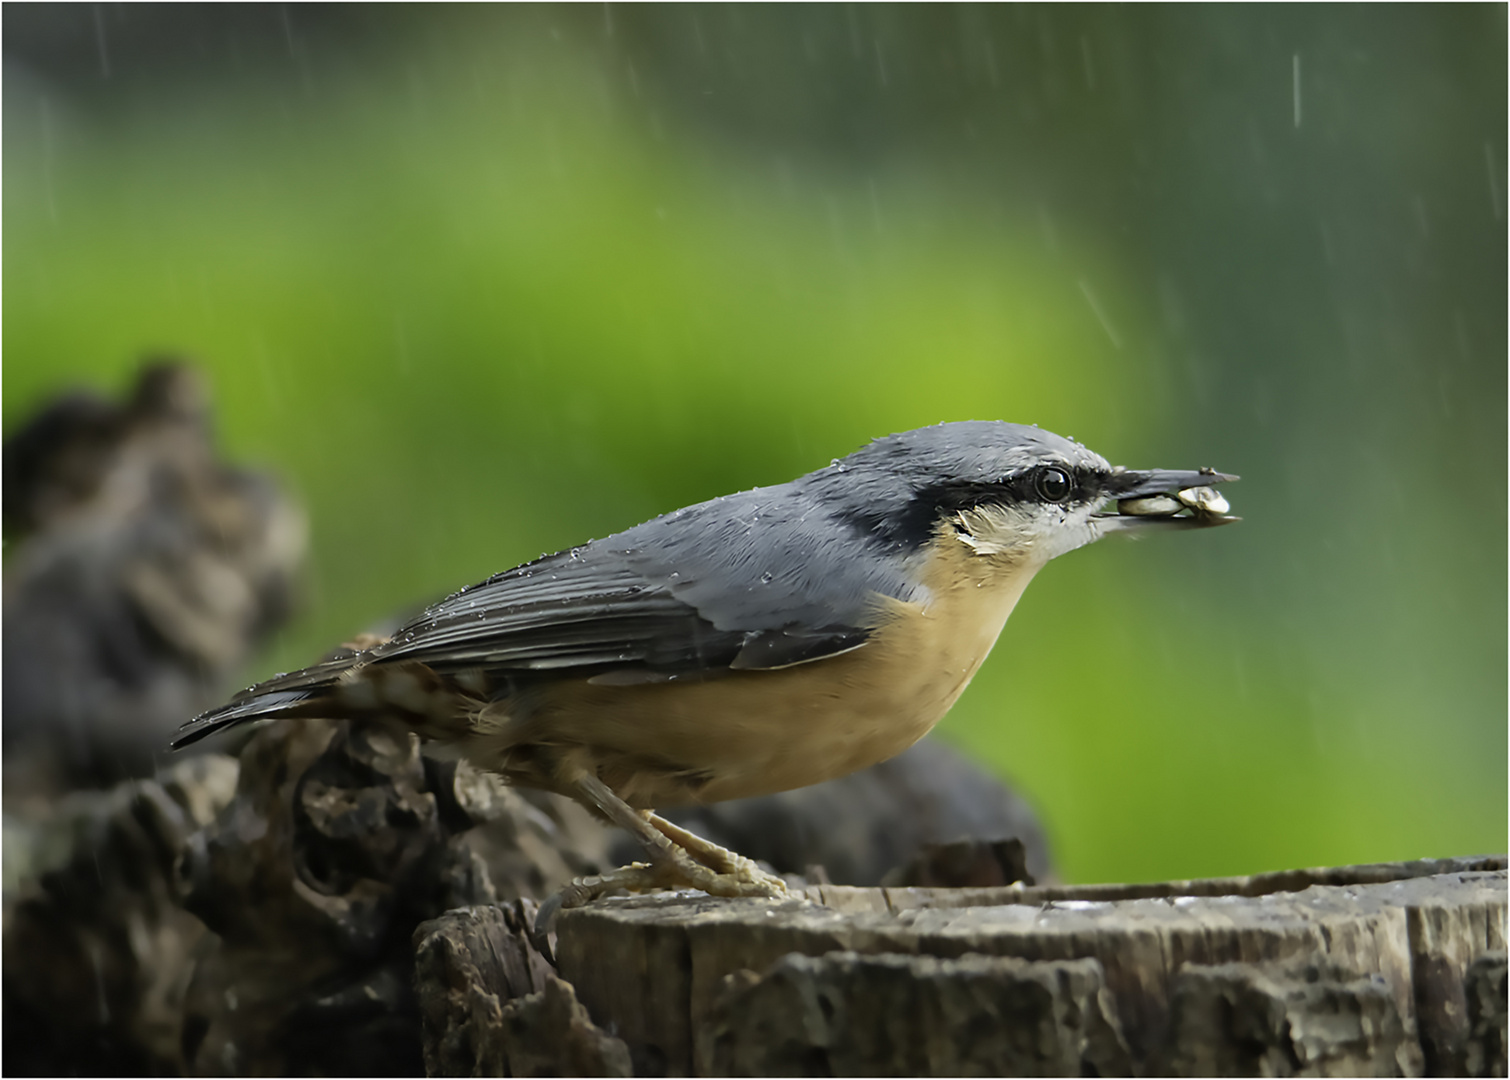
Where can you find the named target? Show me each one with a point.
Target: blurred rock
(341, 840)
(964, 864)
(98, 951)
(143, 573)
(861, 827)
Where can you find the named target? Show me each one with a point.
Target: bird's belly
(757, 732)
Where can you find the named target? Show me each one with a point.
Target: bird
(750, 644)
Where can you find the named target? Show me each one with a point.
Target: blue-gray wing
(762, 579)
(581, 610)
(759, 580)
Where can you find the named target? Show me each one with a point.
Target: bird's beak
(1165, 498)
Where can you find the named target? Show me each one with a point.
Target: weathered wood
(1445, 940)
(886, 1014)
(492, 1006)
(849, 1014)
(340, 841)
(97, 949)
(469, 964)
(1486, 984)
(847, 898)
(1277, 1020)
(551, 1034)
(653, 967)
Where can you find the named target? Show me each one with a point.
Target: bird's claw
(576, 894)
(581, 891)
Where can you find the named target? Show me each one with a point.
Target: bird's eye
(1053, 485)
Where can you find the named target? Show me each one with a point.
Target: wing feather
(562, 612)
(695, 593)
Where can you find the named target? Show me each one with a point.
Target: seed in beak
(1204, 501)
(1152, 506)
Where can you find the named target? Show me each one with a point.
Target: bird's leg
(592, 790)
(678, 860)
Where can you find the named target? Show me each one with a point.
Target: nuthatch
(751, 644)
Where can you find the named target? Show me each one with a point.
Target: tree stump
(1382, 970)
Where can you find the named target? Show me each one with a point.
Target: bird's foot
(677, 869)
(714, 870)
(678, 860)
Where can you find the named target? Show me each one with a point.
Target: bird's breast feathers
(755, 732)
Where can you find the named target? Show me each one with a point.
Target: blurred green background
(480, 282)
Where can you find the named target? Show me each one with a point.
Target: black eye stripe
(913, 524)
(1076, 484)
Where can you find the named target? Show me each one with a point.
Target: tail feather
(277, 696)
(264, 707)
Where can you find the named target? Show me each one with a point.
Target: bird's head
(1009, 491)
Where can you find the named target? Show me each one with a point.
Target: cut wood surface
(1366, 969)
